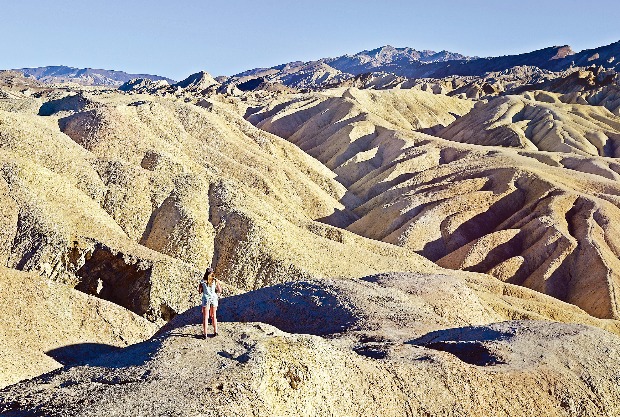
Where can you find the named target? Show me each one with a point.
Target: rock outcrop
(395, 345)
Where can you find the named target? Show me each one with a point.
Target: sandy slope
(539, 122)
(129, 198)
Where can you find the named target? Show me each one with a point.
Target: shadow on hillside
(70, 103)
(99, 354)
(469, 344)
(80, 353)
(293, 307)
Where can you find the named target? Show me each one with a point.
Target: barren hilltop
(390, 242)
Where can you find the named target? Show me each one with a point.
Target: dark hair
(209, 276)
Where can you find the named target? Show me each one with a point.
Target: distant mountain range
(410, 63)
(386, 59)
(555, 58)
(85, 76)
(400, 62)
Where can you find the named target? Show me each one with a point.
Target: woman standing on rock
(209, 287)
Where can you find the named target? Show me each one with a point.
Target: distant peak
(379, 50)
(200, 79)
(563, 51)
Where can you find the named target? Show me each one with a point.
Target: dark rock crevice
(117, 278)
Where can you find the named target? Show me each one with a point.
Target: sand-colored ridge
(481, 208)
(138, 195)
(541, 122)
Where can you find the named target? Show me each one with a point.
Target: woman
(209, 287)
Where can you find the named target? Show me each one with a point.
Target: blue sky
(177, 38)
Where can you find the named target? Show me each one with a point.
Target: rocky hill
(327, 71)
(386, 58)
(395, 344)
(477, 207)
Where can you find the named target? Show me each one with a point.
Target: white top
(209, 296)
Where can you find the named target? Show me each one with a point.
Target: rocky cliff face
(47, 325)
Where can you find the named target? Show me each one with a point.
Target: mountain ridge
(324, 72)
(414, 64)
(85, 76)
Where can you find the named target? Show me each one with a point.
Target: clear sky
(177, 38)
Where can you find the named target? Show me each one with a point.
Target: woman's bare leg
(214, 318)
(204, 321)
